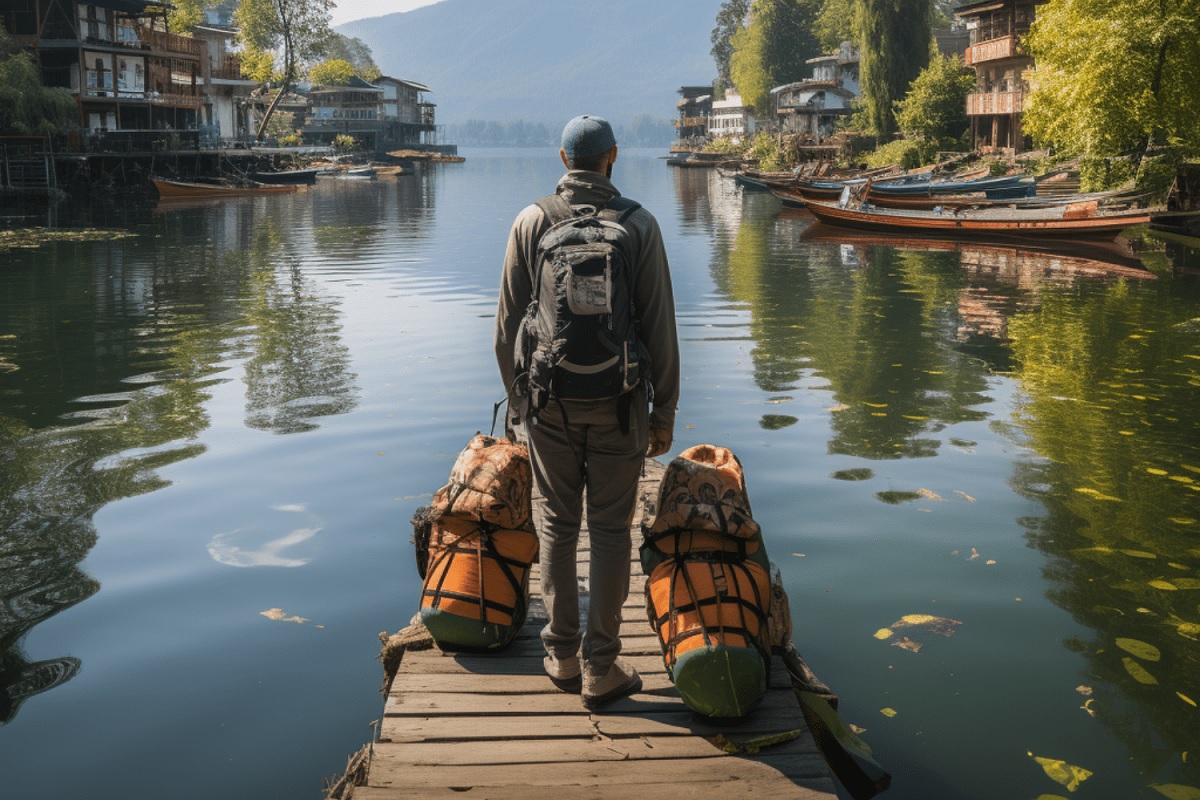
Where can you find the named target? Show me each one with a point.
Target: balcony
(993, 50)
(228, 68)
(987, 103)
(172, 43)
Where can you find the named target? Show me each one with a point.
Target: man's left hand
(659, 442)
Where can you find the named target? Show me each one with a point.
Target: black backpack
(579, 337)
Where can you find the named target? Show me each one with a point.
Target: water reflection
(1110, 379)
(109, 354)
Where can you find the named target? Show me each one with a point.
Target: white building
(812, 107)
(731, 118)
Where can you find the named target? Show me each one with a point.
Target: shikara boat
(1071, 219)
(308, 176)
(1062, 257)
(184, 190)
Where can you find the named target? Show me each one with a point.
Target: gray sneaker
(565, 673)
(616, 681)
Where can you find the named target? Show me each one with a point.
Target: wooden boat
(1081, 257)
(1002, 187)
(184, 190)
(1072, 219)
(308, 176)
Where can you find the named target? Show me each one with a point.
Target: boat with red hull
(1070, 219)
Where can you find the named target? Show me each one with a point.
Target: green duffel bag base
(721, 681)
(454, 632)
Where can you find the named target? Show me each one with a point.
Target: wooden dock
(493, 726)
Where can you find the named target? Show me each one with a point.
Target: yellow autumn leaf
(1166, 586)
(1138, 554)
(1144, 651)
(279, 615)
(875, 405)
(1176, 791)
(1092, 493)
(968, 497)
(1138, 672)
(883, 633)
(1156, 471)
(1186, 699)
(1068, 775)
(915, 417)
(1182, 520)
(888, 712)
(1187, 583)
(1050, 797)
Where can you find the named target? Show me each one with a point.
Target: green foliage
(725, 144)
(259, 65)
(837, 23)
(183, 15)
(356, 52)
(772, 50)
(1151, 176)
(1114, 75)
(27, 107)
(935, 106)
(894, 37)
(907, 153)
(335, 72)
(730, 19)
(344, 143)
(766, 150)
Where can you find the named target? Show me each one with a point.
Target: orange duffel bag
(711, 618)
(475, 547)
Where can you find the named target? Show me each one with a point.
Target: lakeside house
(813, 107)
(132, 77)
(732, 119)
(693, 111)
(995, 107)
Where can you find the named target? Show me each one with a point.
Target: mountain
(547, 60)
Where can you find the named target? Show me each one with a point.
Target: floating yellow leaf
(1144, 651)
(915, 417)
(1155, 471)
(888, 712)
(1125, 433)
(1087, 706)
(1176, 791)
(1138, 672)
(883, 633)
(1138, 554)
(1181, 479)
(1166, 586)
(1086, 691)
(965, 495)
(1068, 775)
(937, 625)
(1050, 797)
(929, 494)
(279, 615)
(1183, 520)
(875, 405)
(1187, 583)
(1186, 699)
(908, 644)
(1190, 468)
(838, 408)
(878, 413)
(1098, 495)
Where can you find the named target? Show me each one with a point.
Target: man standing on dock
(585, 339)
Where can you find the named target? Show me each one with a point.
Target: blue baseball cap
(587, 136)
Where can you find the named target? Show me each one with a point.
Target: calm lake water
(237, 409)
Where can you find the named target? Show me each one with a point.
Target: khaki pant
(577, 446)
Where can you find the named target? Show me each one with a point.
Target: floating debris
(855, 474)
(279, 615)
(1068, 775)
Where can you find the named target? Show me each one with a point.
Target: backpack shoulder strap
(624, 208)
(556, 208)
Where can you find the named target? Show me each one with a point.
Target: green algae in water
(33, 238)
(774, 422)
(896, 498)
(856, 474)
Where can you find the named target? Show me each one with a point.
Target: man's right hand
(659, 442)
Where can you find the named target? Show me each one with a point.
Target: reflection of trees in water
(1110, 377)
(883, 335)
(125, 342)
(299, 368)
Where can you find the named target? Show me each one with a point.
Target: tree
(297, 28)
(730, 19)
(26, 105)
(1112, 76)
(183, 15)
(356, 52)
(894, 40)
(334, 72)
(836, 23)
(773, 49)
(935, 106)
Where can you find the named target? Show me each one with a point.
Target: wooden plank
(463, 703)
(765, 720)
(552, 751)
(802, 770)
(753, 789)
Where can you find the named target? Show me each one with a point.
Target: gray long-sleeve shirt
(652, 295)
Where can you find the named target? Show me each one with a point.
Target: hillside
(547, 60)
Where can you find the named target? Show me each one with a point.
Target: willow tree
(894, 37)
(297, 29)
(772, 50)
(1113, 76)
(27, 106)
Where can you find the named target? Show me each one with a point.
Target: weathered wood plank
(710, 773)
(774, 787)
(463, 703)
